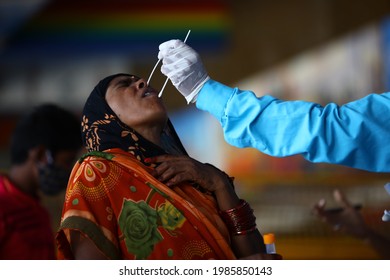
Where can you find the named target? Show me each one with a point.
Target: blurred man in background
(44, 147)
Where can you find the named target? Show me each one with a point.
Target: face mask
(52, 178)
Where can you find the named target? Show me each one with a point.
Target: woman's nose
(141, 83)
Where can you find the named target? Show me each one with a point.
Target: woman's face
(136, 104)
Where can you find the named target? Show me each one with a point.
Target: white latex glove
(183, 66)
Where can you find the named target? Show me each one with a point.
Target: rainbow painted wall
(89, 27)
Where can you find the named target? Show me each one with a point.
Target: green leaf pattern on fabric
(139, 224)
(170, 217)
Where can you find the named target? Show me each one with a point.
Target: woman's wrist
(221, 181)
(225, 194)
(240, 219)
(222, 187)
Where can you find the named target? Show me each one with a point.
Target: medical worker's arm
(356, 134)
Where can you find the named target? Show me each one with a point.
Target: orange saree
(113, 200)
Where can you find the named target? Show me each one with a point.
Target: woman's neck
(152, 134)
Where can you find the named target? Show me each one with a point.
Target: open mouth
(148, 93)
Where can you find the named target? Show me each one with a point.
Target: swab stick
(166, 81)
(155, 66)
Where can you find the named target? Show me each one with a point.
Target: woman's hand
(174, 170)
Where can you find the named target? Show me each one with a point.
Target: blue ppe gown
(356, 134)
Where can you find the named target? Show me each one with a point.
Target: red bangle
(239, 220)
(244, 232)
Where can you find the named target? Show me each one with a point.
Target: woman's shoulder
(94, 166)
(102, 155)
(107, 156)
(103, 163)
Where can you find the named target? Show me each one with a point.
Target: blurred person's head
(44, 146)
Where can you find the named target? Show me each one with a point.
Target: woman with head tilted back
(138, 195)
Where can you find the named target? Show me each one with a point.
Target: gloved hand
(183, 66)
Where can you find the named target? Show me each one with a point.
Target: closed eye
(124, 83)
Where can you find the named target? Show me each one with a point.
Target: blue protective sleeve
(356, 134)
